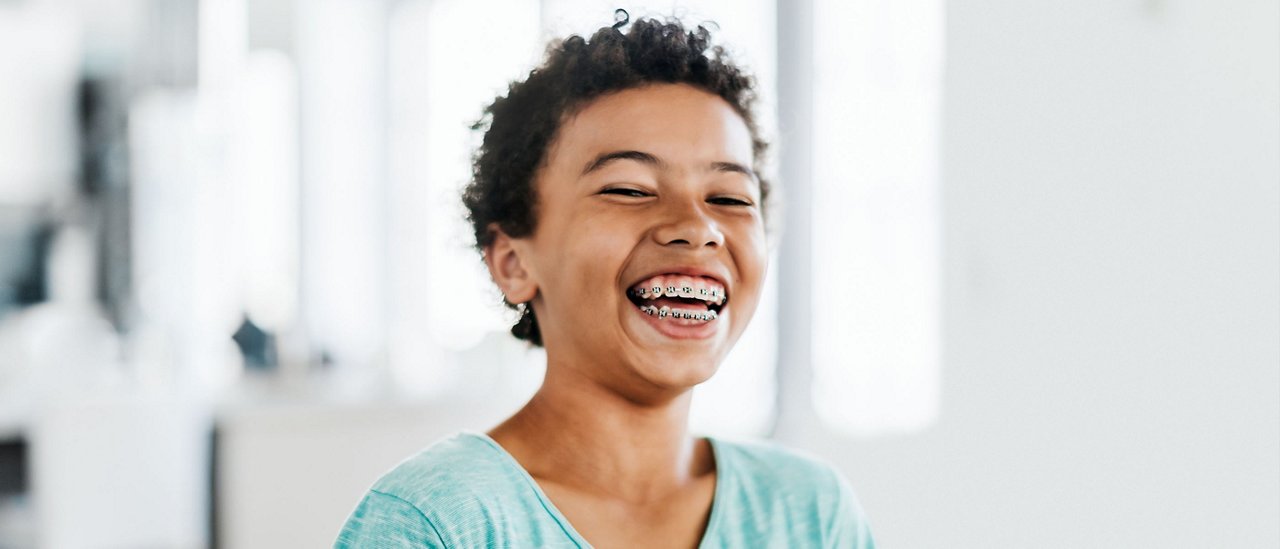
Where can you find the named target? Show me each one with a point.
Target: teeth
(679, 314)
(687, 287)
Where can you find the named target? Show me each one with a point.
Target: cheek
(589, 258)
(752, 261)
(752, 255)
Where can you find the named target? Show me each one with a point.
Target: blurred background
(1026, 291)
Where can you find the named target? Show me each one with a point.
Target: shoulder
(809, 491)
(773, 467)
(384, 520)
(461, 468)
(440, 496)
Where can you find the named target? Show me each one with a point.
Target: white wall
(1112, 326)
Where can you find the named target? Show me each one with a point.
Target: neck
(577, 432)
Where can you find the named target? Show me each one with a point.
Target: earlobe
(507, 267)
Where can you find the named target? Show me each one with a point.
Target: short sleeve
(384, 521)
(849, 528)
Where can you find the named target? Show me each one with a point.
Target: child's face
(686, 208)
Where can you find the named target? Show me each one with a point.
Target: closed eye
(728, 201)
(635, 193)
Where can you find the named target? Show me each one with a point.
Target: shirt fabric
(466, 491)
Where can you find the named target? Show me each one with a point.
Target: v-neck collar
(718, 499)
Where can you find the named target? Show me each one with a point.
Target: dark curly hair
(522, 125)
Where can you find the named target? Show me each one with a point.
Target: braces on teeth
(713, 295)
(664, 312)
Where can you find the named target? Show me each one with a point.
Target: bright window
(876, 214)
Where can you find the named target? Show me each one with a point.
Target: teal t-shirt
(467, 491)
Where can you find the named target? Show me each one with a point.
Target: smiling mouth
(681, 299)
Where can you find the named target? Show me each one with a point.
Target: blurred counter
(267, 464)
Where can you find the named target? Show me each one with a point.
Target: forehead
(678, 123)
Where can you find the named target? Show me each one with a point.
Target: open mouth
(681, 299)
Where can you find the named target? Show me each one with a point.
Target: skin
(606, 436)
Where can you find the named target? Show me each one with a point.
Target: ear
(507, 267)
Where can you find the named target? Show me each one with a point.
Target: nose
(686, 223)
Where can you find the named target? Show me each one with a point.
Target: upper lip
(690, 270)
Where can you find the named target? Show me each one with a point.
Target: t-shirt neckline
(717, 499)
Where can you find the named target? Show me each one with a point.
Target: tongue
(679, 303)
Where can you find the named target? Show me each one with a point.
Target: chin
(680, 374)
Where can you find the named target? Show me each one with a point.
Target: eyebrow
(734, 167)
(604, 159)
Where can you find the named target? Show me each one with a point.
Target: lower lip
(673, 330)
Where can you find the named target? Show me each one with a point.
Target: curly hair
(522, 125)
